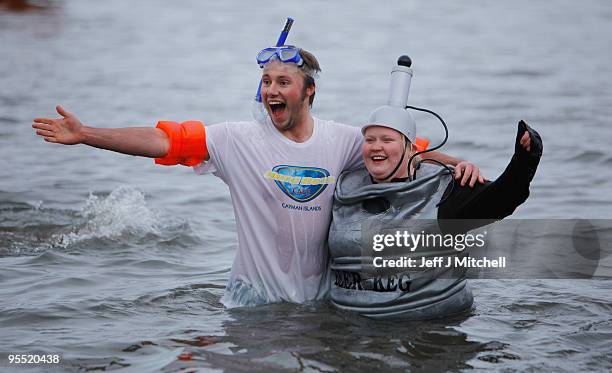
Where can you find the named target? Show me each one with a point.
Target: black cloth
(495, 200)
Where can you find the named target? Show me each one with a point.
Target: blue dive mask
(285, 53)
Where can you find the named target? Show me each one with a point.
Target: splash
(123, 212)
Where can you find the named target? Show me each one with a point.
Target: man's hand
(66, 130)
(465, 171)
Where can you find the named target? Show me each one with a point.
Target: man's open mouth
(276, 106)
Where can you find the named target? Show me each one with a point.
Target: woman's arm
(498, 199)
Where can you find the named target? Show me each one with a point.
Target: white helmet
(393, 117)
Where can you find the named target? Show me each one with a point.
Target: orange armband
(187, 143)
(421, 143)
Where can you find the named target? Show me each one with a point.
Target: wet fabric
(282, 195)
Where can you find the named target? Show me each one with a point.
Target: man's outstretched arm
(68, 130)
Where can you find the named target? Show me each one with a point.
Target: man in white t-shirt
(281, 174)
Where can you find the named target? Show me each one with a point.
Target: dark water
(116, 263)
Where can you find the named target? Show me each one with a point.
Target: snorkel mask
(285, 53)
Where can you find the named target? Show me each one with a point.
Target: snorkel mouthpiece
(394, 115)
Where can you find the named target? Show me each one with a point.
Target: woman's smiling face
(382, 150)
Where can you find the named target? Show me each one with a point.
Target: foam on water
(123, 212)
(123, 216)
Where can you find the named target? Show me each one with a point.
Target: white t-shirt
(282, 194)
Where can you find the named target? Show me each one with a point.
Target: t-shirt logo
(301, 184)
